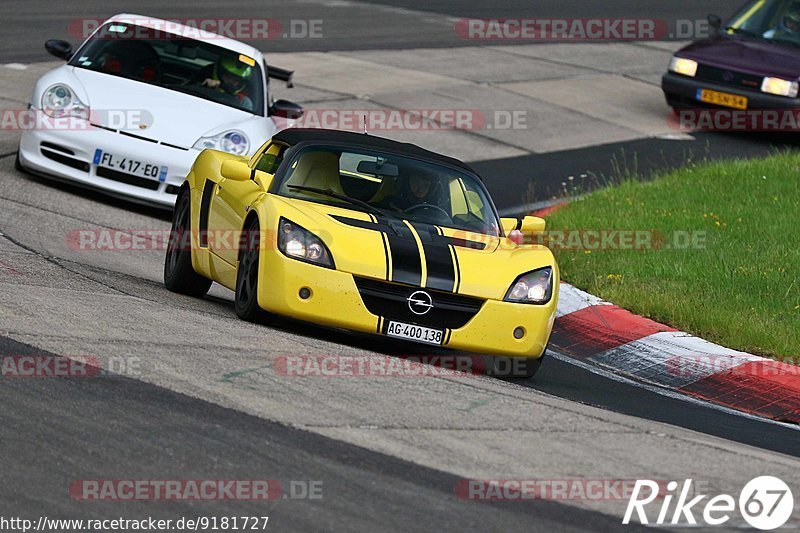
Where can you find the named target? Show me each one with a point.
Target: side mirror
(527, 225)
(60, 49)
(286, 109)
(533, 225)
(235, 170)
(715, 21)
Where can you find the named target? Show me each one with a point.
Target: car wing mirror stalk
(528, 225)
(715, 22)
(263, 178)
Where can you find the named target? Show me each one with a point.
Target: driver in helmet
(230, 76)
(789, 26)
(417, 188)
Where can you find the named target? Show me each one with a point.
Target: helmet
(419, 185)
(233, 74)
(791, 18)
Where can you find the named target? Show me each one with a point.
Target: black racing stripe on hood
(464, 243)
(406, 259)
(357, 223)
(438, 259)
(402, 247)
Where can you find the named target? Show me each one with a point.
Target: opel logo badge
(420, 302)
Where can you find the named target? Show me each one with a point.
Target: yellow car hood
(412, 253)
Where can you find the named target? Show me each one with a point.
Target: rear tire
(179, 275)
(246, 299)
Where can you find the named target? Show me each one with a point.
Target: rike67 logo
(765, 503)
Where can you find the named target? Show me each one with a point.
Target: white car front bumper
(69, 155)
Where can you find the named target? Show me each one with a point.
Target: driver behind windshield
(230, 76)
(416, 187)
(789, 25)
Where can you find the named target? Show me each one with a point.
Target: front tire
(246, 299)
(179, 275)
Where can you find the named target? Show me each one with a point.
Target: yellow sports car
(364, 233)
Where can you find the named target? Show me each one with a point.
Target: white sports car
(135, 104)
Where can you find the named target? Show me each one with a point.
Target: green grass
(740, 287)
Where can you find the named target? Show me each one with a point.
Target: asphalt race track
(364, 490)
(349, 25)
(367, 26)
(192, 392)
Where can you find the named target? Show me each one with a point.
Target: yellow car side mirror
(527, 225)
(235, 170)
(533, 225)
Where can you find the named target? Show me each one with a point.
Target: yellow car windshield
(390, 184)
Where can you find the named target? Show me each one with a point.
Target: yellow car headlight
(780, 87)
(299, 243)
(532, 288)
(686, 67)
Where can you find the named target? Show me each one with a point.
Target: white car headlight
(234, 142)
(780, 87)
(680, 65)
(60, 101)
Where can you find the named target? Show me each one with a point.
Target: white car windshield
(392, 185)
(181, 64)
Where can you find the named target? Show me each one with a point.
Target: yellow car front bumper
(334, 300)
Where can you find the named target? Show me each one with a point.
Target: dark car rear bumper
(681, 92)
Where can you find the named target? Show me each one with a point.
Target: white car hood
(171, 117)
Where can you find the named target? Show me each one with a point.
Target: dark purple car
(753, 62)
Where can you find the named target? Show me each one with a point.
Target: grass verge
(725, 257)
